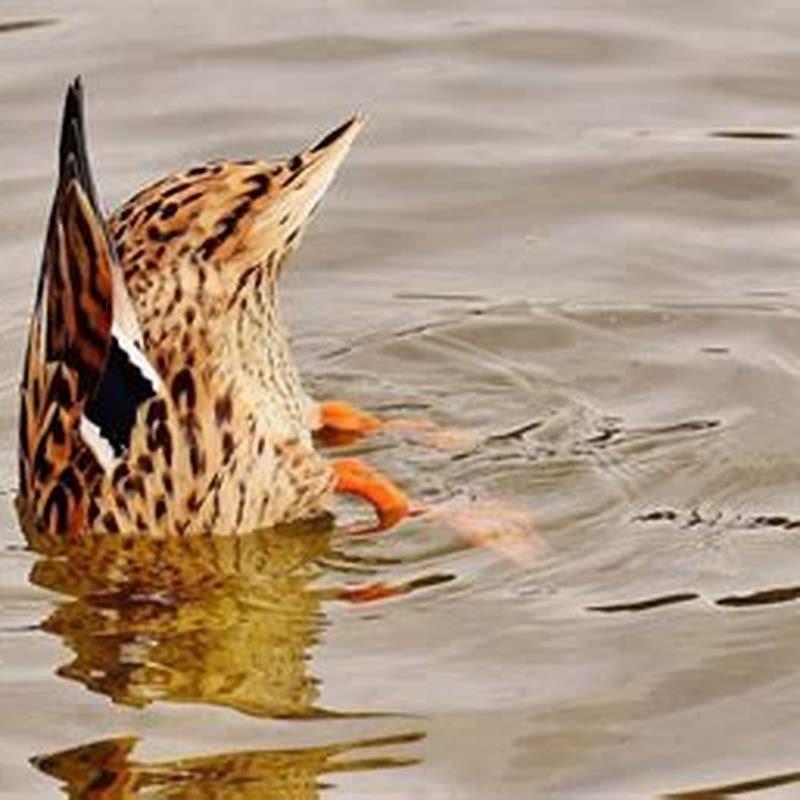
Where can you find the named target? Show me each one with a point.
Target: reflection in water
(221, 620)
(756, 785)
(767, 136)
(104, 770)
(763, 597)
(24, 24)
(647, 604)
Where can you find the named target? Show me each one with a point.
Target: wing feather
(73, 342)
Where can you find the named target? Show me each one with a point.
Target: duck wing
(85, 373)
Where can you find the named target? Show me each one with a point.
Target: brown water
(570, 230)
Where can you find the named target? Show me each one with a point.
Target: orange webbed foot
(344, 417)
(341, 423)
(356, 477)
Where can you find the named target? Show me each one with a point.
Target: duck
(159, 393)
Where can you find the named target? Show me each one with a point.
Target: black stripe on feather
(73, 162)
(121, 391)
(331, 137)
(73, 157)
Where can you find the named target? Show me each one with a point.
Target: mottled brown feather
(225, 445)
(66, 349)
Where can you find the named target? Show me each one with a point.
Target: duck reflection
(105, 770)
(226, 621)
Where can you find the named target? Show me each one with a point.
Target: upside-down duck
(159, 394)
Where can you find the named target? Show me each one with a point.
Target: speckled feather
(185, 274)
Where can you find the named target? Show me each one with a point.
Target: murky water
(569, 235)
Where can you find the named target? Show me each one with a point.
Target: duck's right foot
(356, 477)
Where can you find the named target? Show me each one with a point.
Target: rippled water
(569, 238)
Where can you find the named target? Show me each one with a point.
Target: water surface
(569, 234)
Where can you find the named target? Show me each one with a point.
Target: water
(568, 237)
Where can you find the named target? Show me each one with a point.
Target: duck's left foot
(343, 417)
(356, 477)
(341, 423)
